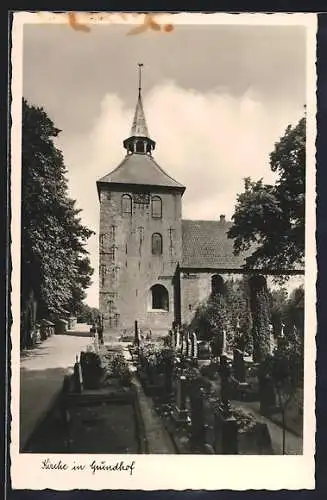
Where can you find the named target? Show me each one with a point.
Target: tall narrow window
(101, 241)
(116, 319)
(126, 204)
(103, 273)
(156, 244)
(112, 253)
(110, 305)
(156, 207)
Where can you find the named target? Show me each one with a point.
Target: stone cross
(195, 346)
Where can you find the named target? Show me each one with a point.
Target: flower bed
(209, 420)
(115, 367)
(155, 366)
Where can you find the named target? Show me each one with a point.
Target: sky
(216, 99)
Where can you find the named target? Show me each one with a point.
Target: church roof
(140, 169)
(138, 166)
(206, 245)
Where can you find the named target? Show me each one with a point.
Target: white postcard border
(154, 472)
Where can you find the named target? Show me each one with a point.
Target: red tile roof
(206, 245)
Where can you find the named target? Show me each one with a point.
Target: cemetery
(195, 350)
(202, 402)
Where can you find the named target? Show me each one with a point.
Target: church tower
(140, 240)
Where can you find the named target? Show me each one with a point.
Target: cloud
(207, 141)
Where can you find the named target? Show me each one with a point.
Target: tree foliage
(210, 317)
(87, 314)
(269, 219)
(287, 311)
(260, 309)
(55, 263)
(224, 311)
(239, 313)
(285, 370)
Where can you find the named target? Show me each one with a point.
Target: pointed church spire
(139, 140)
(139, 126)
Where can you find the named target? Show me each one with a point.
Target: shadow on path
(76, 333)
(39, 390)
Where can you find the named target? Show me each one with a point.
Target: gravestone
(184, 347)
(91, 370)
(194, 346)
(197, 419)
(180, 405)
(178, 338)
(267, 395)
(272, 342)
(256, 441)
(230, 436)
(204, 351)
(189, 347)
(77, 377)
(239, 366)
(224, 343)
(225, 387)
(136, 334)
(169, 373)
(282, 335)
(225, 434)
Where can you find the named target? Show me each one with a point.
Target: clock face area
(141, 198)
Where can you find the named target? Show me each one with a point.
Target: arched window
(257, 283)
(159, 298)
(217, 284)
(126, 204)
(156, 207)
(156, 244)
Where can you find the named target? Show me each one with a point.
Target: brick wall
(127, 267)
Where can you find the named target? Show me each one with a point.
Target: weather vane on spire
(140, 65)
